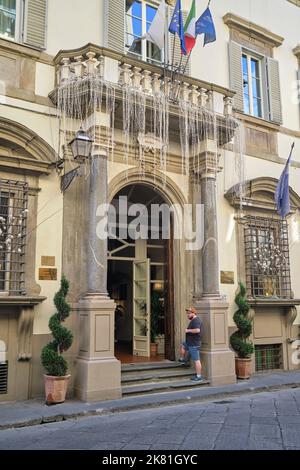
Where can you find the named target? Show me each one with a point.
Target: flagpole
(292, 149)
(188, 59)
(287, 163)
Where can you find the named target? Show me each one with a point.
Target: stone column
(98, 371)
(210, 253)
(217, 358)
(97, 249)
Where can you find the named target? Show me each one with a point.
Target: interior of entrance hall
(140, 278)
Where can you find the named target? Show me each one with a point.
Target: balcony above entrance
(121, 70)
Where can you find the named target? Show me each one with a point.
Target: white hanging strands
(235, 133)
(92, 103)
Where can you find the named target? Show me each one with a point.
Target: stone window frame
(257, 40)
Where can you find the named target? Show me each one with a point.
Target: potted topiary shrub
(239, 340)
(57, 378)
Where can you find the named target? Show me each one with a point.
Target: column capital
(207, 159)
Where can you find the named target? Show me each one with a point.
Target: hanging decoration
(141, 103)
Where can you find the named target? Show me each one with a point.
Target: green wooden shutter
(115, 25)
(274, 90)
(177, 50)
(35, 23)
(236, 74)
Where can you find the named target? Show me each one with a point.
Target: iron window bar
(13, 223)
(267, 259)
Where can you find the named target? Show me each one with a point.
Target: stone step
(146, 366)
(160, 387)
(156, 376)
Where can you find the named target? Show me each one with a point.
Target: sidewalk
(34, 412)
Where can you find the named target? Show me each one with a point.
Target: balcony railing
(121, 70)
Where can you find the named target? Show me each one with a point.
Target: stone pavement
(35, 412)
(268, 421)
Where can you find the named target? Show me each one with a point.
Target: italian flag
(190, 29)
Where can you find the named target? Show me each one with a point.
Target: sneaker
(182, 361)
(197, 379)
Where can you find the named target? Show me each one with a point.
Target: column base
(218, 360)
(98, 372)
(218, 367)
(98, 380)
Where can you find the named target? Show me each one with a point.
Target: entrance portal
(140, 277)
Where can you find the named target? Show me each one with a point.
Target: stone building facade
(250, 75)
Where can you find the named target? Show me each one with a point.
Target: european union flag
(282, 193)
(176, 26)
(205, 25)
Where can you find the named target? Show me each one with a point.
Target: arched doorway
(140, 273)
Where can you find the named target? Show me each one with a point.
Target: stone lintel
(252, 30)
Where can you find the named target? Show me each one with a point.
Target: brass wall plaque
(48, 261)
(47, 274)
(227, 277)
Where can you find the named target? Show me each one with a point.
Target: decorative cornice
(21, 301)
(296, 51)
(259, 194)
(25, 51)
(273, 302)
(25, 149)
(253, 30)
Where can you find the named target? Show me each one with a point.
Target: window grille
(267, 258)
(13, 221)
(3, 378)
(268, 357)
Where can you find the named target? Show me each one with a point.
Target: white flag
(156, 32)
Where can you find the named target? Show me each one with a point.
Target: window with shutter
(35, 23)
(115, 25)
(274, 90)
(255, 79)
(236, 74)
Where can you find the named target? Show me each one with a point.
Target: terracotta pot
(243, 368)
(56, 388)
(153, 349)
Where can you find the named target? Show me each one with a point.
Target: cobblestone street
(268, 420)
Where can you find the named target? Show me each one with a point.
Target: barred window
(13, 221)
(267, 257)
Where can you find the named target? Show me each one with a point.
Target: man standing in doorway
(192, 343)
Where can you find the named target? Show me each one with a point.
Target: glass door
(141, 308)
